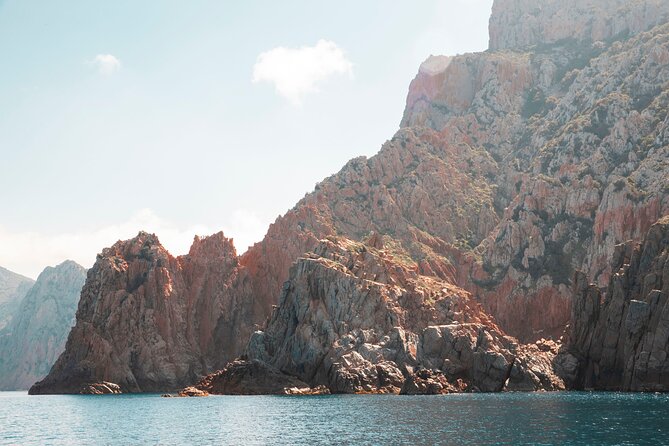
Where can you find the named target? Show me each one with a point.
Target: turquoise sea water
(508, 418)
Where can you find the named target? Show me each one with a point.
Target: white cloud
(106, 64)
(296, 72)
(28, 253)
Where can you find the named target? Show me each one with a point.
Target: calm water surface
(509, 418)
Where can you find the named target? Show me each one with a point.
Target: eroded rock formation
(619, 339)
(148, 321)
(513, 168)
(254, 377)
(525, 23)
(360, 318)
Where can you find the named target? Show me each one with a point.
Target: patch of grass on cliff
(400, 255)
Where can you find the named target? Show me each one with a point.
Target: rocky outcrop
(191, 392)
(102, 388)
(583, 139)
(243, 377)
(360, 319)
(619, 339)
(36, 336)
(429, 382)
(513, 168)
(13, 288)
(519, 24)
(150, 322)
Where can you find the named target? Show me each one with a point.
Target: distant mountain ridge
(13, 288)
(36, 335)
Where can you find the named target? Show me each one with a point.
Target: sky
(185, 118)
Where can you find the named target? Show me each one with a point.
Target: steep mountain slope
(150, 322)
(358, 318)
(621, 342)
(36, 335)
(524, 23)
(13, 288)
(513, 168)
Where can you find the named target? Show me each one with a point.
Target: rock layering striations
(359, 318)
(150, 322)
(513, 168)
(524, 23)
(619, 339)
(36, 336)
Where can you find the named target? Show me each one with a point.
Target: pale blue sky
(177, 138)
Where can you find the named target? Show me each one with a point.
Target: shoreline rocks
(101, 388)
(354, 319)
(244, 377)
(151, 322)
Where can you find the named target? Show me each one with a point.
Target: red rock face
(150, 322)
(359, 318)
(427, 195)
(536, 164)
(513, 169)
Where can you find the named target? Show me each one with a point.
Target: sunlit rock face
(513, 168)
(36, 336)
(618, 339)
(524, 23)
(360, 318)
(148, 321)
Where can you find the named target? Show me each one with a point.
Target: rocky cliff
(619, 338)
(359, 318)
(13, 288)
(36, 336)
(148, 321)
(524, 23)
(513, 168)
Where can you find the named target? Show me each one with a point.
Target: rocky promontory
(444, 262)
(148, 321)
(359, 318)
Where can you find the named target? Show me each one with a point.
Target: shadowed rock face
(13, 288)
(150, 322)
(621, 341)
(36, 336)
(359, 319)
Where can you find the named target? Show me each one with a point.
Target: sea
(564, 418)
